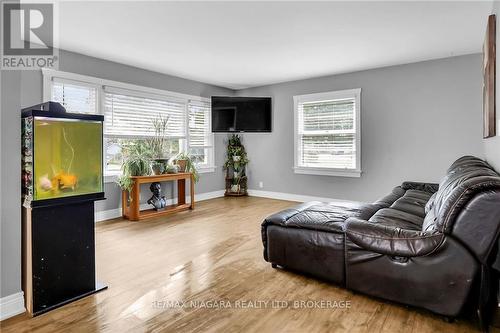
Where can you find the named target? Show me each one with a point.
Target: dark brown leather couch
(424, 245)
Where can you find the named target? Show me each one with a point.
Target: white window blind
(75, 97)
(326, 128)
(129, 115)
(199, 124)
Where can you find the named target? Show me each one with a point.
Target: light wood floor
(213, 253)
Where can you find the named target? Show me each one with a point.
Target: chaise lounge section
(425, 245)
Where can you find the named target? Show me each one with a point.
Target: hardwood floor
(213, 253)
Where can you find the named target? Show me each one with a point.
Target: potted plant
(186, 164)
(235, 166)
(171, 168)
(159, 144)
(157, 167)
(136, 162)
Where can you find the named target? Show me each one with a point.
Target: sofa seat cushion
(321, 216)
(413, 202)
(397, 218)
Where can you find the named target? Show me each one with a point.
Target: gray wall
(492, 145)
(31, 93)
(416, 120)
(24, 89)
(10, 188)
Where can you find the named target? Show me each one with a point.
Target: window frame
(50, 75)
(328, 96)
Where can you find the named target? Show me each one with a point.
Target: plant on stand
(159, 145)
(136, 162)
(235, 165)
(186, 163)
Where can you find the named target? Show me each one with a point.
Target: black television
(241, 114)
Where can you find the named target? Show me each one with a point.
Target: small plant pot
(182, 165)
(171, 169)
(236, 158)
(235, 188)
(157, 168)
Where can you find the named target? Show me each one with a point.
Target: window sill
(207, 169)
(111, 178)
(328, 172)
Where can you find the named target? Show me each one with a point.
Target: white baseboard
(114, 213)
(291, 197)
(11, 305)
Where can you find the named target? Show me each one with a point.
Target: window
(128, 114)
(76, 97)
(327, 133)
(200, 136)
(129, 117)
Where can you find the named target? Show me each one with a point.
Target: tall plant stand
(235, 166)
(240, 182)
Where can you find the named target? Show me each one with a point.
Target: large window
(327, 133)
(129, 112)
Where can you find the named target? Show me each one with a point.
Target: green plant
(169, 168)
(136, 162)
(137, 159)
(126, 183)
(158, 144)
(157, 167)
(190, 165)
(235, 149)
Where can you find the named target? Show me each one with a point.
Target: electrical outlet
(261, 184)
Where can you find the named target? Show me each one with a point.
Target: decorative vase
(182, 165)
(235, 188)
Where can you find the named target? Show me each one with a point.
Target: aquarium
(61, 157)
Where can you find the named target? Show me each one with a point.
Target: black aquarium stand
(59, 255)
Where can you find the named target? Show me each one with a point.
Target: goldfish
(63, 181)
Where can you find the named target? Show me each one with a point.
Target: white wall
(492, 145)
(416, 120)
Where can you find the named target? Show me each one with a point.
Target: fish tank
(62, 155)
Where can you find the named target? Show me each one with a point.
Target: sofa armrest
(391, 241)
(426, 187)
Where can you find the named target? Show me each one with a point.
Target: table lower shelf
(148, 213)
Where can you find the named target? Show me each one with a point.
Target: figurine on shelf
(157, 200)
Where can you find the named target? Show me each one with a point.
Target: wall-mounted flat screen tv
(241, 114)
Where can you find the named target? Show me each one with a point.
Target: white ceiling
(244, 44)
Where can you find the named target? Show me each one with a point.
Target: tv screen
(241, 114)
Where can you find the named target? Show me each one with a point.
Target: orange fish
(63, 181)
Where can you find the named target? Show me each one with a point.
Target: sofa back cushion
(466, 178)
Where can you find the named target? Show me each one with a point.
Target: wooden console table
(131, 210)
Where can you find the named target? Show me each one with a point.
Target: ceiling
(245, 44)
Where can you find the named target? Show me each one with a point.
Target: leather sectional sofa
(425, 245)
